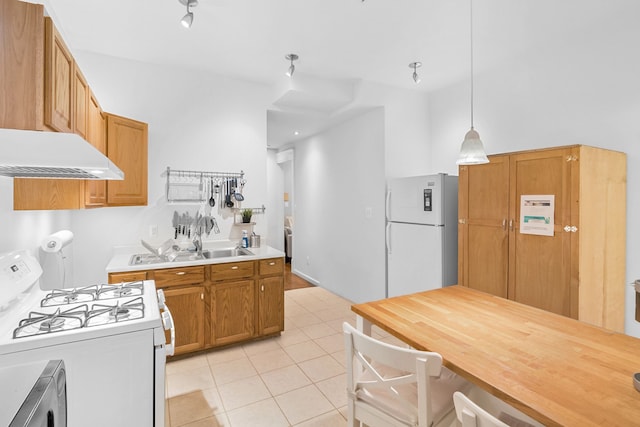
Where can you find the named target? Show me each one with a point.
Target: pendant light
(187, 19)
(415, 66)
(472, 150)
(291, 57)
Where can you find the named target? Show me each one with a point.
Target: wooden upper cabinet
(127, 148)
(81, 95)
(59, 81)
(96, 190)
(21, 65)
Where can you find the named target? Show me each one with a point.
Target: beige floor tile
(225, 355)
(304, 320)
(258, 347)
(341, 357)
(330, 419)
(188, 381)
(234, 370)
(304, 351)
(318, 330)
(219, 420)
(265, 413)
(303, 404)
(270, 360)
(291, 337)
(188, 408)
(285, 379)
(335, 389)
(331, 343)
(243, 392)
(321, 368)
(187, 364)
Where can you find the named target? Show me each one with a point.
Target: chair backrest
(377, 365)
(472, 415)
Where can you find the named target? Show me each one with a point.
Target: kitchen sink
(182, 256)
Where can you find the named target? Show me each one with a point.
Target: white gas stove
(110, 337)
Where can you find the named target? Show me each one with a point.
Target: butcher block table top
(557, 370)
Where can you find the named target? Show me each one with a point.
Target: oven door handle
(167, 321)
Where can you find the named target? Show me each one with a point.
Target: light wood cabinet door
(96, 190)
(270, 305)
(187, 309)
(540, 266)
(483, 234)
(127, 148)
(232, 312)
(58, 81)
(21, 65)
(80, 103)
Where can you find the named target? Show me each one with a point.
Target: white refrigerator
(421, 233)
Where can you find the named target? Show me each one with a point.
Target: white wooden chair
(471, 414)
(394, 386)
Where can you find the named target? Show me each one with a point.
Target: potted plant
(246, 215)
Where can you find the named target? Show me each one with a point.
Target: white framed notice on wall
(536, 214)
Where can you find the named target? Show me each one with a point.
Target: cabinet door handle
(272, 263)
(262, 288)
(504, 224)
(202, 297)
(181, 273)
(235, 267)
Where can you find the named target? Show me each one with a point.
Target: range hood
(36, 154)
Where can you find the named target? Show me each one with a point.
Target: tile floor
(296, 379)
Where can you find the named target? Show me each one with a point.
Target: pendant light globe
(292, 68)
(472, 150)
(187, 20)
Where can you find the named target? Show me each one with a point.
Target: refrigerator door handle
(387, 206)
(388, 237)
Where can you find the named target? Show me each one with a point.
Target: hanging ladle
(212, 200)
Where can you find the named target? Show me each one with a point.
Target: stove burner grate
(101, 314)
(46, 323)
(69, 296)
(120, 290)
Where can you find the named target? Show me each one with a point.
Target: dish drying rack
(188, 186)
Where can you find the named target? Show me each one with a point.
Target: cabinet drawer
(130, 276)
(179, 276)
(271, 266)
(232, 270)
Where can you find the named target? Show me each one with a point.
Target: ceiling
(371, 40)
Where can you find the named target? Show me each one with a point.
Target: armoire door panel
(486, 257)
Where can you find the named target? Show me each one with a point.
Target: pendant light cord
(471, 54)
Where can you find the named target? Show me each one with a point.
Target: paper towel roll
(56, 241)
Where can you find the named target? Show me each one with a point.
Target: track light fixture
(415, 66)
(187, 19)
(291, 57)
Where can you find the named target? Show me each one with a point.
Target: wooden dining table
(557, 370)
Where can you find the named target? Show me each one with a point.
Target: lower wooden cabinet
(219, 304)
(187, 309)
(232, 312)
(270, 305)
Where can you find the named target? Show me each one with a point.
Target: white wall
(197, 121)
(576, 91)
(338, 174)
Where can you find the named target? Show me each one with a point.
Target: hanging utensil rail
(187, 186)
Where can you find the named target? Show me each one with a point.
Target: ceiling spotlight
(415, 66)
(291, 57)
(187, 19)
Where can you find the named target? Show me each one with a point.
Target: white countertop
(122, 255)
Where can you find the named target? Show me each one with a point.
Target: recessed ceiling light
(296, 133)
